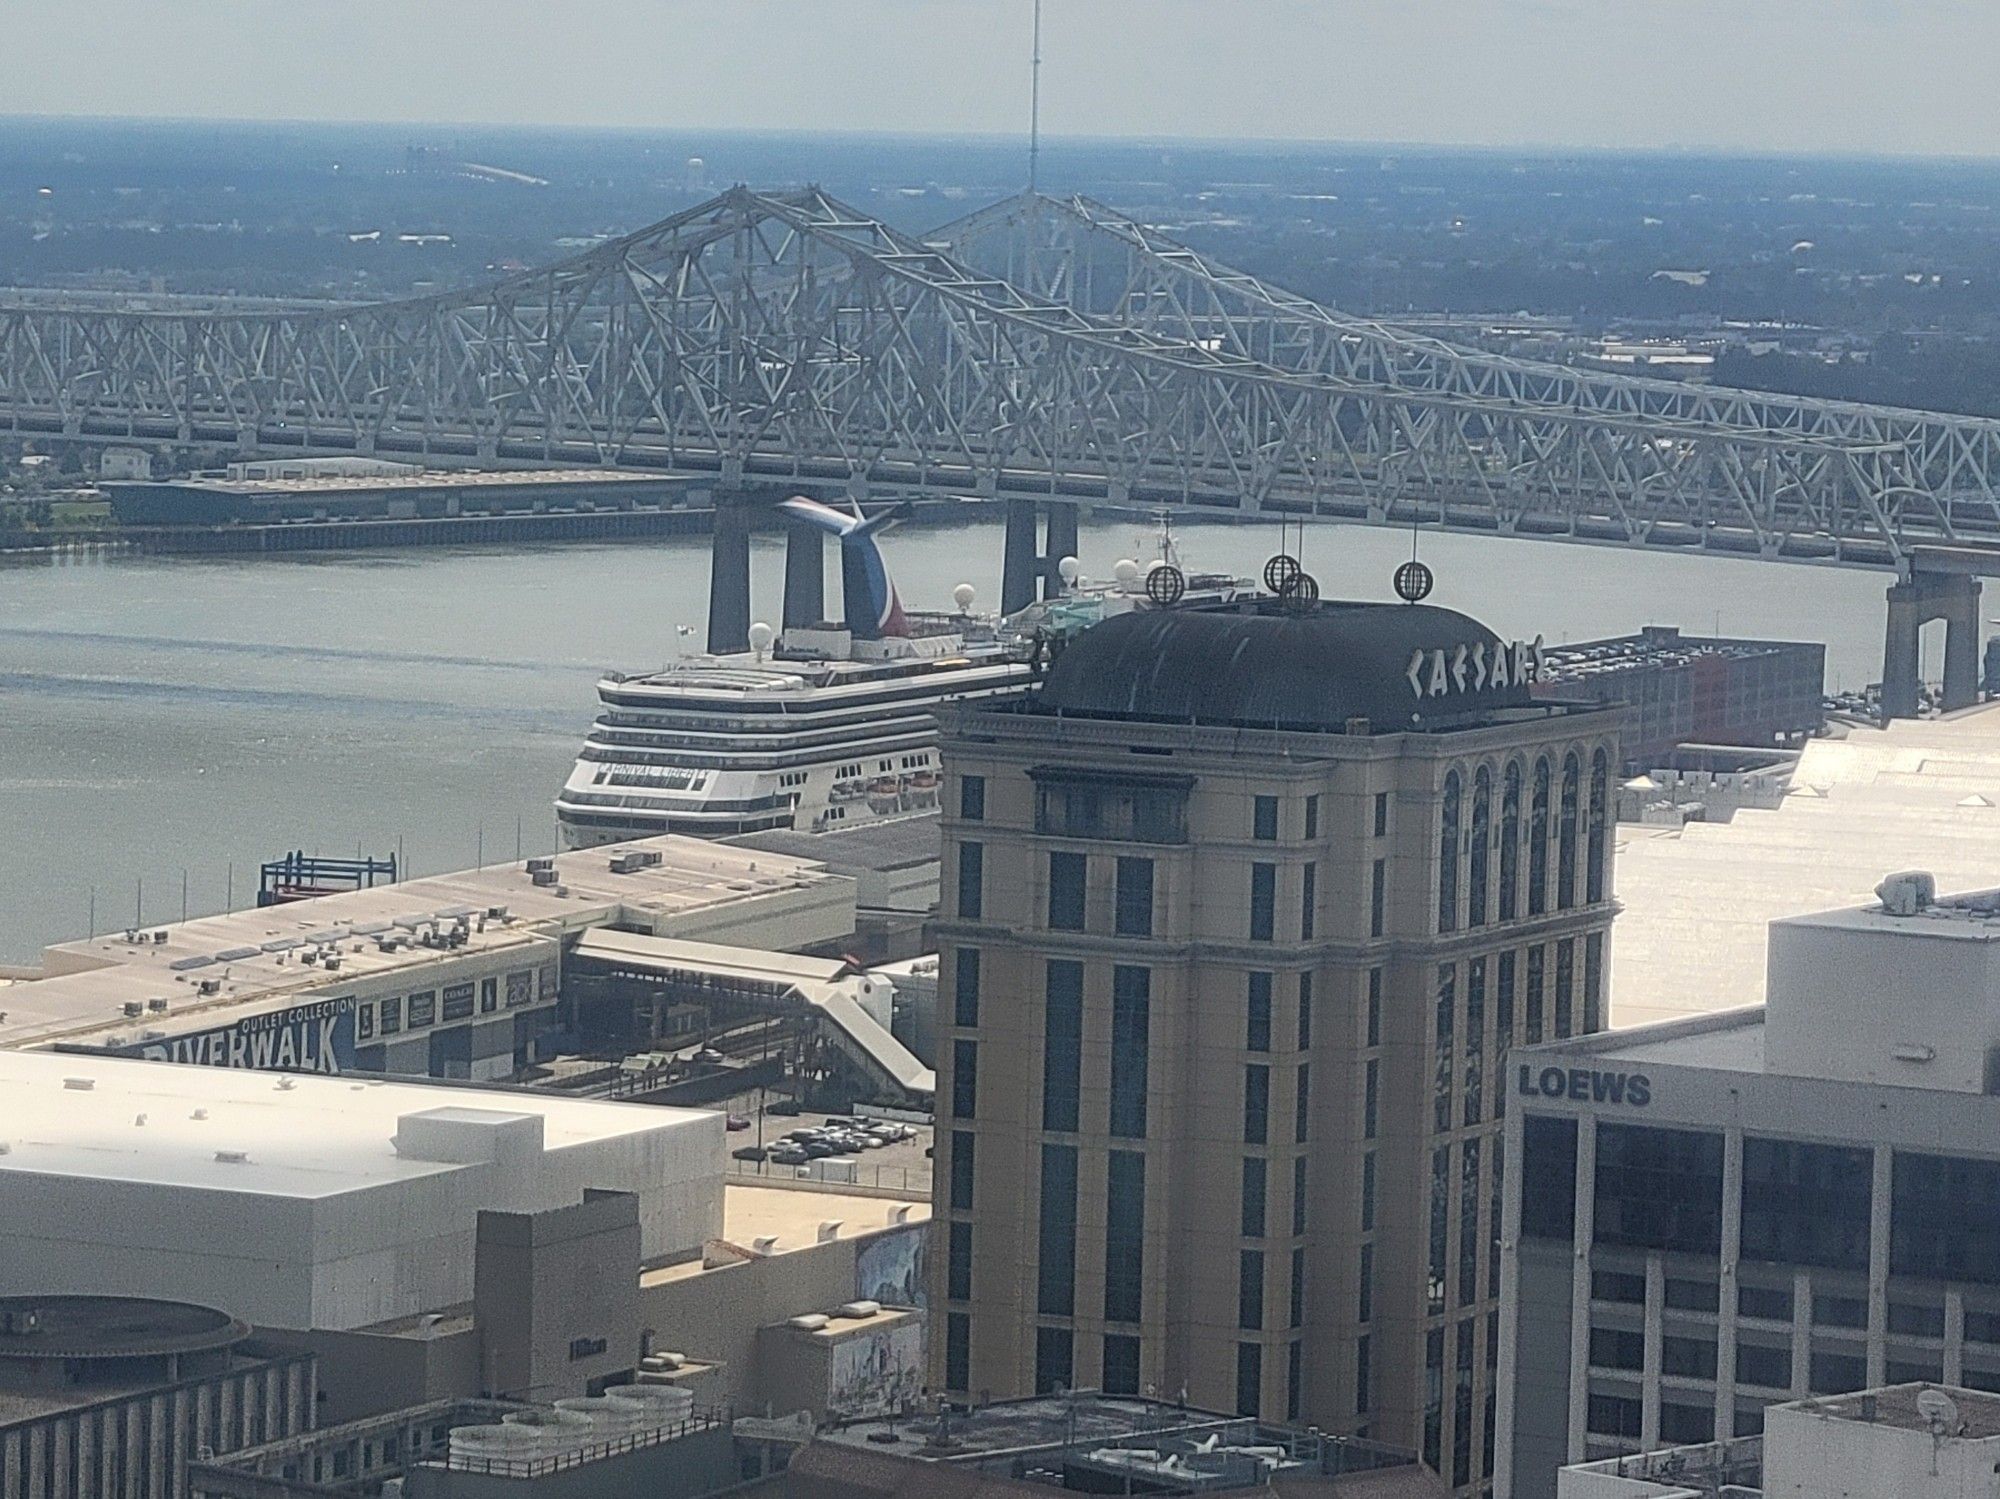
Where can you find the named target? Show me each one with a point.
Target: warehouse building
(1734, 1211)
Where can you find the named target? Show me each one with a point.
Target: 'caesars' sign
(1474, 668)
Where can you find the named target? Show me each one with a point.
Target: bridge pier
(1019, 564)
(1913, 603)
(729, 576)
(1061, 543)
(805, 575)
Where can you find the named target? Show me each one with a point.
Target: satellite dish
(1067, 569)
(761, 636)
(1937, 1408)
(963, 595)
(1165, 584)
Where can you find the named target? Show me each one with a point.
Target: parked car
(751, 1152)
(788, 1155)
(735, 1122)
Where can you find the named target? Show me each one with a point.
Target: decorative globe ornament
(1165, 584)
(1413, 582)
(1281, 573)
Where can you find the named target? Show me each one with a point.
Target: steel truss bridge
(1041, 349)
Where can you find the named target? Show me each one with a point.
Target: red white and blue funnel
(872, 607)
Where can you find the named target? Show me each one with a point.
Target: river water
(171, 722)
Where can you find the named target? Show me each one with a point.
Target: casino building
(1244, 909)
(1743, 1209)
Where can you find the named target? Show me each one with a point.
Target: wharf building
(1724, 1213)
(1244, 908)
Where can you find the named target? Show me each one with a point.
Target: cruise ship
(824, 727)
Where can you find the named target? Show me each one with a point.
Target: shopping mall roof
(252, 961)
(1698, 899)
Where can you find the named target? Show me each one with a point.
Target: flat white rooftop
(1919, 794)
(121, 1119)
(255, 957)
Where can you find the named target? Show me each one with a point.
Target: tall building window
(1305, 1012)
(1659, 1189)
(1263, 901)
(1364, 1368)
(1250, 1289)
(1257, 1029)
(1433, 1397)
(1367, 1192)
(1062, 1045)
(972, 798)
(1537, 987)
(961, 1170)
(1055, 1294)
(1468, 1223)
(1368, 1099)
(1055, 1359)
(1475, 1039)
(1121, 1364)
(1312, 817)
(958, 1270)
(1066, 891)
(1253, 1196)
(1249, 1378)
(1448, 812)
(1945, 1222)
(1308, 901)
(1566, 987)
(957, 1351)
(1477, 850)
(1440, 1230)
(1264, 819)
(1496, 1202)
(1442, 1046)
(1594, 866)
(1806, 1204)
(1364, 1284)
(1381, 814)
(1131, 1005)
(1538, 839)
(1548, 1177)
(1298, 1297)
(1593, 983)
(965, 988)
(1256, 1105)
(1566, 826)
(971, 880)
(1295, 1394)
(1133, 909)
(1124, 1235)
(964, 1079)
(1299, 1194)
(1510, 840)
(1302, 1106)
(1461, 1410)
(1374, 1007)
(1378, 896)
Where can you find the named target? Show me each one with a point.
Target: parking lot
(902, 1162)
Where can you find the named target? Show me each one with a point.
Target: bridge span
(1046, 352)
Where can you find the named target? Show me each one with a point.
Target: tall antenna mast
(1035, 104)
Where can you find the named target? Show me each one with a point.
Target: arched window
(1572, 789)
(1510, 839)
(1600, 795)
(1448, 855)
(1482, 838)
(1538, 839)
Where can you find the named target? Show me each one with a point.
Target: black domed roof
(1262, 666)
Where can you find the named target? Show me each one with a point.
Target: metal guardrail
(912, 1179)
(593, 1452)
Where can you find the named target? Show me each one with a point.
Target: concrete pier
(1927, 595)
(729, 576)
(1020, 565)
(805, 575)
(1061, 543)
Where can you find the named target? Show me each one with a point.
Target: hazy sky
(1836, 75)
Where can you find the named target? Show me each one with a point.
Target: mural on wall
(890, 1267)
(877, 1372)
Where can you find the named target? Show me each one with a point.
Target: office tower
(1244, 907)
(1718, 1214)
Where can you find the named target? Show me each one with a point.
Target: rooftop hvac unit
(496, 913)
(133, 1007)
(157, 1006)
(160, 937)
(809, 1322)
(544, 877)
(540, 862)
(859, 1308)
(1907, 892)
(214, 986)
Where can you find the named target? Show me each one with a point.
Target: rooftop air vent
(79, 1084)
(1907, 892)
(232, 1157)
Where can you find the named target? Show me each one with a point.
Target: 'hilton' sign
(1474, 668)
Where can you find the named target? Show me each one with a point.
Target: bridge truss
(1042, 348)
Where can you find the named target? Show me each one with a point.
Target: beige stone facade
(1222, 1013)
